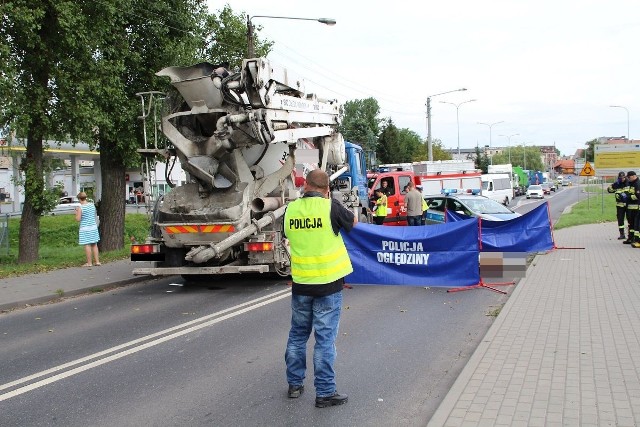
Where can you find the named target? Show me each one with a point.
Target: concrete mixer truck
(245, 140)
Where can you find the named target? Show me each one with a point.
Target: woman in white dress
(88, 234)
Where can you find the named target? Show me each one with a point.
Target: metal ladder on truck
(150, 153)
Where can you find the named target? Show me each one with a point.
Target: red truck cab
(396, 182)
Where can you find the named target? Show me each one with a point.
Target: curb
(15, 305)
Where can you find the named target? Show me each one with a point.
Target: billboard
(613, 158)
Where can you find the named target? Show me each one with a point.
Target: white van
(498, 186)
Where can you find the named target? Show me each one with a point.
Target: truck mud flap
(171, 271)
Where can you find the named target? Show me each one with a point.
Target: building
(465, 153)
(565, 167)
(80, 171)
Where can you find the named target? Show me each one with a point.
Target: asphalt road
(131, 357)
(167, 353)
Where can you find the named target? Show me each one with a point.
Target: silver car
(466, 204)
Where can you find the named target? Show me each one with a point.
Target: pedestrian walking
(618, 188)
(88, 232)
(413, 202)
(319, 263)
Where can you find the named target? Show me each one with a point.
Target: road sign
(587, 170)
(610, 159)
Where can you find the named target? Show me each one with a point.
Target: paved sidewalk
(565, 349)
(44, 287)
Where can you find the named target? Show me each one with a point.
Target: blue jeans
(323, 315)
(414, 220)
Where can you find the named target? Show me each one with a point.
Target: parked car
(466, 204)
(546, 188)
(535, 192)
(67, 205)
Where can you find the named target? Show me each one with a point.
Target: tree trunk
(112, 204)
(29, 237)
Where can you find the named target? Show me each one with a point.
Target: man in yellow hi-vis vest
(319, 263)
(380, 207)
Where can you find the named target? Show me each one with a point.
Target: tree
(225, 38)
(44, 62)
(438, 150)
(399, 145)
(481, 160)
(130, 49)
(531, 161)
(590, 150)
(387, 143)
(360, 123)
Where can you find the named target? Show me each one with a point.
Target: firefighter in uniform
(618, 188)
(319, 263)
(633, 194)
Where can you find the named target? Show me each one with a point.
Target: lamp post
(509, 136)
(627, 110)
(250, 39)
(490, 126)
(428, 104)
(458, 118)
(524, 154)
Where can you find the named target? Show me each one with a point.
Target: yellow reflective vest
(381, 206)
(318, 256)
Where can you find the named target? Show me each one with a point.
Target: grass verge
(59, 244)
(596, 209)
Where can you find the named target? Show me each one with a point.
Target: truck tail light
(258, 246)
(144, 249)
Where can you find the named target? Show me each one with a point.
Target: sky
(548, 69)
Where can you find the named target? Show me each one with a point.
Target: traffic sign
(587, 170)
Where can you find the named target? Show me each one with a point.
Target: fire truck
(432, 177)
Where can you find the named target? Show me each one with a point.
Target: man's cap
(621, 174)
(631, 173)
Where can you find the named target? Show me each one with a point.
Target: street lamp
(428, 104)
(490, 126)
(509, 136)
(458, 118)
(627, 110)
(250, 41)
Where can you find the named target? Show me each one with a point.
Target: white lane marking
(253, 304)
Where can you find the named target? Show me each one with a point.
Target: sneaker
(295, 391)
(621, 238)
(627, 242)
(333, 400)
(635, 245)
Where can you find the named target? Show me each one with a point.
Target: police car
(466, 202)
